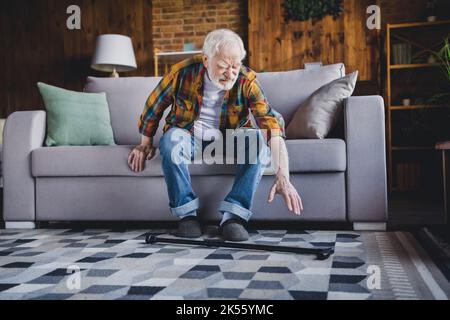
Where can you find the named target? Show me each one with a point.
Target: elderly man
(209, 94)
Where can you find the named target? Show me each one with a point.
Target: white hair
(220, 38)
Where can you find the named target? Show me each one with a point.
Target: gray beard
(216, 82)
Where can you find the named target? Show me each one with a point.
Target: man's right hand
(137, 157)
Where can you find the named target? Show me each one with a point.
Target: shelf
(414, 65)
(178, 54)
(402, 145)
(417, 24)
(421, 106)
(167, 58)
(412, 148)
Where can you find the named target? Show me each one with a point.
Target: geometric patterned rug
(117, 264)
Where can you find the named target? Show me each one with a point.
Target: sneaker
(189, 227)
(233, 230)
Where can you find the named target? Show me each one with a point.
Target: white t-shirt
(208, 118)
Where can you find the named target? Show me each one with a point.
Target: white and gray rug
(108, 264)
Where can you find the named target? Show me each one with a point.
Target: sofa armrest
(366, 159)
(23, 132)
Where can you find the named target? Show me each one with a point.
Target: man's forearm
(280, 159)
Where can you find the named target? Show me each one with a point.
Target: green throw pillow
(76, 118)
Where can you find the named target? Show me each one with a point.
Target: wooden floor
(415, 210)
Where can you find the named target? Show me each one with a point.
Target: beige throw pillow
(317, 116)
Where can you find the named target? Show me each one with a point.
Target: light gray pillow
(315, 118)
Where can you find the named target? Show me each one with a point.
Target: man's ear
(205, 60)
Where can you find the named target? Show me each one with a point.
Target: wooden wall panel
(275, 45)
(37, 46)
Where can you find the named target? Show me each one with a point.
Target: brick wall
(176, 22)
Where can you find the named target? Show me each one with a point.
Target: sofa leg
(20, 225)
(369, 226)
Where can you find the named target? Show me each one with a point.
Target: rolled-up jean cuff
(235, 209)
(185, 208)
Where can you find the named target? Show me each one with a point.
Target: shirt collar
(198, 83)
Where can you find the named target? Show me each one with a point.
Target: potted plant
(405, 99)
(443, 56)
(303, 10)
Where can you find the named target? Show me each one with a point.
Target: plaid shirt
(182, 88)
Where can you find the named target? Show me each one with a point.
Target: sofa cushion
(286, 90)
(76, 118)
(319, 114)
(317, 155)
(126, 99)
(312, 155)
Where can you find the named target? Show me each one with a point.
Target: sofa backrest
(126, 99)
(287, 90)
(127, 96)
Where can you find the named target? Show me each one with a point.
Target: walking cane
(320, 253)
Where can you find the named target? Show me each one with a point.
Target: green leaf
(302, 10)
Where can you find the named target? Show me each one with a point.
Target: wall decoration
(302, 10)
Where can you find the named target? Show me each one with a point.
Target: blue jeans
(178, 148)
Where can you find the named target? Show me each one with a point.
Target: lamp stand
(114, 74)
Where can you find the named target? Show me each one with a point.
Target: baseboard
(20, 225)
(369, 226)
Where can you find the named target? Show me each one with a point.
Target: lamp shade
(113, 51)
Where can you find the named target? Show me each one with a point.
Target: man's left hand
(284, 187)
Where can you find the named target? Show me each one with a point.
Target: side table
(171, 57)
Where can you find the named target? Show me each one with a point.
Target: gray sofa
(341, 178)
